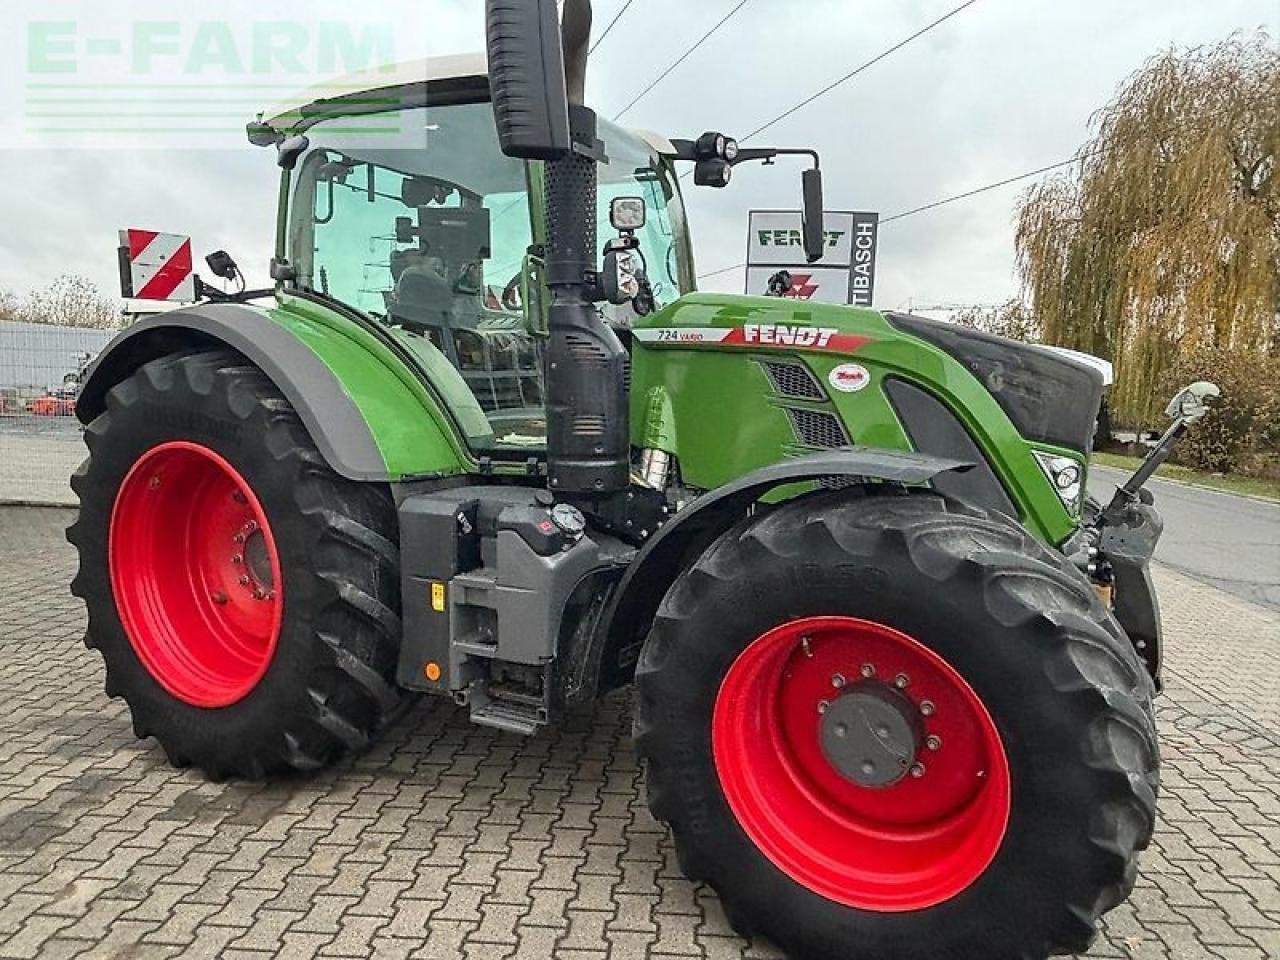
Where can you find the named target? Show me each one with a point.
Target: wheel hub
(872, 734)
(257, 558)
(889, 792)
(195, 574)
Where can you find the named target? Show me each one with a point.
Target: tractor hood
(1052, 396)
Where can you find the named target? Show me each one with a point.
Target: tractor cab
(403, 206)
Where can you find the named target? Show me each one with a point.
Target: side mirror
(812, 227)
(222, 264)
(1191, 402)
(526, 77)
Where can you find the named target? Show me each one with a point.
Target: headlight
(1066, 475)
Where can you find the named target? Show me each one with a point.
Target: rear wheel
(897, 727)
(243, 596)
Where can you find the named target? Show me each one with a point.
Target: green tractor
(894, 671)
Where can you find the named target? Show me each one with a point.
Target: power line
(857, 70)
(984, 189)
(852, 73)
(683, 57)
(716, 273)
(616, 18)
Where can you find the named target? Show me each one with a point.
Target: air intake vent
(586, 351)
(818, 429)
(793, 380)
(588, 425)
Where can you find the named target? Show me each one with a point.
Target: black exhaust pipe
(588, 434)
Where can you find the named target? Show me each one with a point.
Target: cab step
(524, 719)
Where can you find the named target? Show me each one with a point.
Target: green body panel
(722, 418)
(420, 431)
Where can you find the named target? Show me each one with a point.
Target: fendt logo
(793, 238)
(785, 336)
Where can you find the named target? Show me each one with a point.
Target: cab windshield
(434, 234)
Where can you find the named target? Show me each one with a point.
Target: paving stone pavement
(448, 841)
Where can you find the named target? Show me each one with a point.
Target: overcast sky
(1001, 88)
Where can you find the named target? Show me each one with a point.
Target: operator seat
(423, 295)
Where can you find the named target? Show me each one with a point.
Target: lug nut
(868, 670)
(933, 741)
(236, 558)
(244, 581)
(901, 681)
(219, 598)
(837, 680)
(238, 538)
(917, 770)
(927, 708)
(822, 706)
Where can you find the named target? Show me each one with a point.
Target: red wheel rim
(195, 574)
(901, 846)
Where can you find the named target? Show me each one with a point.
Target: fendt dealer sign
(846, 273)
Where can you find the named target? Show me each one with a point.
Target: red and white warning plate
(156, 266)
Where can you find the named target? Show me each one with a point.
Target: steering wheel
(511, 293)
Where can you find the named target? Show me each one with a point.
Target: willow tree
(1164, 237)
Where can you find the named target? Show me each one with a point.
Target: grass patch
(1250, 486)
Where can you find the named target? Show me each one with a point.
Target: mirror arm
(768, 153)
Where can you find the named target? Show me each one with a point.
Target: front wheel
(895, 726)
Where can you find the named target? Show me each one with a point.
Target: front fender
(362, 413)
(663, 558)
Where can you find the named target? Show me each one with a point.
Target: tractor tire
(897, 726)
(244, 597)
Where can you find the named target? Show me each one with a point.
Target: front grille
(818, 429)
(793, 380)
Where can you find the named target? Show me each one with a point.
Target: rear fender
(361, 425)
(662, 559)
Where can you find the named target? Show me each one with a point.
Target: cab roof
(407, 82)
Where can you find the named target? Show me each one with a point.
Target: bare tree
(71, 301)
(1165, 238)
(9, 306)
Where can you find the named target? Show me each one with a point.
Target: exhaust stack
(588, 435)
